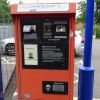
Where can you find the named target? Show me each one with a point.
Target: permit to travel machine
(44, 44)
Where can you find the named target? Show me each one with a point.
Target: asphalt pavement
(96, 64)
(9, 63)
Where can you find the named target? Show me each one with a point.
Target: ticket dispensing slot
(45, 43)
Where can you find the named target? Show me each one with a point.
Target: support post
(1, 82)
(86, 72)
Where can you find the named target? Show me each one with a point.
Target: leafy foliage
(4, 11)
(97, 31)
(82, 11)
(4, 7)
(97, 12)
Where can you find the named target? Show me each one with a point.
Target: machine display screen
(60, 28)
(45, 43)
(29, 28)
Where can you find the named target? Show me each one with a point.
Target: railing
(7, 56)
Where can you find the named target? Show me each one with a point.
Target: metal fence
(7, 50)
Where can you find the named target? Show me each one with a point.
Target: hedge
(97, 31)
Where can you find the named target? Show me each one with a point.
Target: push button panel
(51, 87)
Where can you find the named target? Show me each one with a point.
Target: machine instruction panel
(45, 43)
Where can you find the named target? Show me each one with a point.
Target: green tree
(97, 12)
(4, 11)
(82, 11)
(4, 7)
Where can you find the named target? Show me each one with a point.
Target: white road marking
(78, 63)
(75, 98)
(8, 60)
(77, 76)
(3, 59)
(15, 94)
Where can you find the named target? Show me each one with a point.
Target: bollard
(86, 72)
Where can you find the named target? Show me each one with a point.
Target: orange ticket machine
(44, 42)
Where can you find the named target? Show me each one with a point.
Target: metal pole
(88, 33)
(86, 72)
(1, 82)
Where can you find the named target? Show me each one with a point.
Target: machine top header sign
(43, 8)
